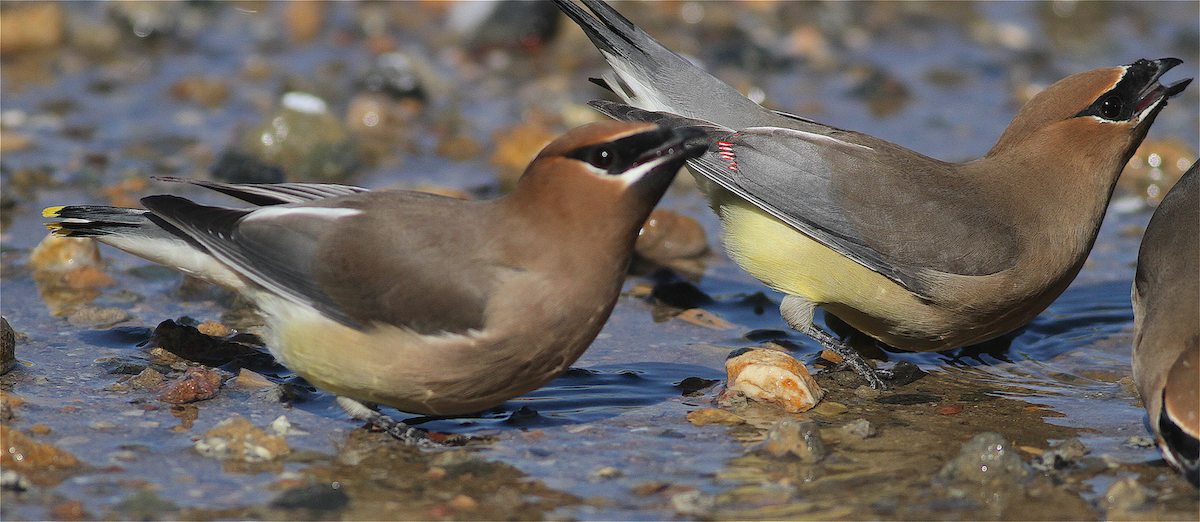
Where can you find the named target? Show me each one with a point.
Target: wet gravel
(100, 422)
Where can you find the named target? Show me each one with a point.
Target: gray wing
(263, 194)
(354, 258)
(901, 214)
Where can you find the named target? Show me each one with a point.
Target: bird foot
(854, 361)
(410, 435)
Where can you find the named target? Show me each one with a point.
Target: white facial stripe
(631, 176)
(330, 213)
(806, 136)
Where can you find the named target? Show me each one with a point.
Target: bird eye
(602, 157)
(1111, 107)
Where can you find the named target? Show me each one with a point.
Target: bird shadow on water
(584, 395)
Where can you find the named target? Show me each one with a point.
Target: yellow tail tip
(52, 211)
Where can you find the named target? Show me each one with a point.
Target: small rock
(396, 75)
(705, 318)
(987, 458)
(789, 438)
(904, 373)
(87, 277)
(650, 487)
(249, 379)
(1124, 495)
(71, 510)
(239, 167)
(859, 428)
(303, 19)
(706, 416)
(146, 505)
(197, 384)
(866, 392)
(668, 235)
(950, 409)
(464, 503)
(693, 503)
(515, 148)
(1140, 441)
(317, 497)
(31, 27)
(8, 346)
(214, 329)
(236, 439)
(771, 376)
(208, 92)
(304, 139)
(1061, 456)
(147, 379)
(63, 254)
(24, 455)
(830, 409)
(605, 473)
(282, 427)
(693, 386)
(97, 317)
(12, 481)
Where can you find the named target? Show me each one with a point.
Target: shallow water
(609, 440)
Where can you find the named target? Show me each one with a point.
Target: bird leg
(409, 435)
(850, 358)
(798, 312)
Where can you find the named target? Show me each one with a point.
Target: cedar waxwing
(428, 304)
(921, 254)
(1166, 318)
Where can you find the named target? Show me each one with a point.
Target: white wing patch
(806, 136)
(330, 213)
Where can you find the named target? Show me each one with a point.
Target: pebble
(214, 329)
(859, 428)
(515, 148)
(63, 254)
(147, 379)
(985, 459)
(317, 497)
(866, 392)
(771, 376)
(31, 27)
(1124, 495)
(701, 317)
(1140, 441)
(707, 416)
(87, 277)
(208, 92)
(98, 317)
(693, 503)
(668, 235)
(790, 438)
(24, 455)
(304, 139)
(145, 504)
(303, 19)
(605, 473)
(8, 346)
(1061, 456)
(236, 439)
(197, 384)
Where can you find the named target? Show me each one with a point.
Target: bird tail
(650, 76)
(96, 221)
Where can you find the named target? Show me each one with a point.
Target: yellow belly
(789, 261)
